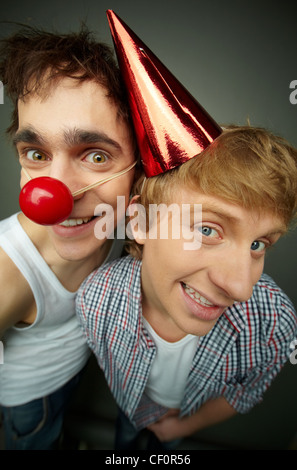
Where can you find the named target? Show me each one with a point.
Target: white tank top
(170, 369)
(39, 358)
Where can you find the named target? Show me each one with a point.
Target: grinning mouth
(196, 296)
(75, 222)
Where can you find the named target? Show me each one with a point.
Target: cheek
(257, 271)
(23, 180)
(110, 191)
(164, 259)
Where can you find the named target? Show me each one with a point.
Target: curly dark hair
(33, 60)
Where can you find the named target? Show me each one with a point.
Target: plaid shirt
(237, 359)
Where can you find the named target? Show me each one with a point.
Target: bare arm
(16, 299)
(171, 427)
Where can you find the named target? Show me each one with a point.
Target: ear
(134, 199)
(136, 227)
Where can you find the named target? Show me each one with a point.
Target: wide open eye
(257, 245)
(208, 231)
(97, 156)
(35, 156)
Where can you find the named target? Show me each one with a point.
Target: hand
(169, 427)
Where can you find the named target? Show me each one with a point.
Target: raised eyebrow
(219, 212)
(75, 137)
(72, 137)
(29, 136)
(282, 230)
(279, 230)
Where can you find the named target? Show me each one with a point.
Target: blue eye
(208, 231)
(258, 246)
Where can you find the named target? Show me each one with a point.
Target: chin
(202, 329)
(77, 251)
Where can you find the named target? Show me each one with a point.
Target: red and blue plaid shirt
(237, 359)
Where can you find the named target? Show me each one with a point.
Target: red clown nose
(46, 201)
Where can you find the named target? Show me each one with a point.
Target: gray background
(237, 58)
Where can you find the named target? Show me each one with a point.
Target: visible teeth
(74, 222)
(196, 296)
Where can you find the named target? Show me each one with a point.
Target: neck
(70, 273)
(162, 324)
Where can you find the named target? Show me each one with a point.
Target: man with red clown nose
(188, 333)
(72, 132)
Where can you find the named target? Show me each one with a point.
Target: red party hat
(170, 125)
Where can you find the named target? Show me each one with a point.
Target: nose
(63, 171)
(235, 275)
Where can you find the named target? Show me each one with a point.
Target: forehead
(67, 92)
(232, 214)
(73, 105)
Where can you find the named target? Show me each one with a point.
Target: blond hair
(247, 166)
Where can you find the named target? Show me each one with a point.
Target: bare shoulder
(16, 297)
